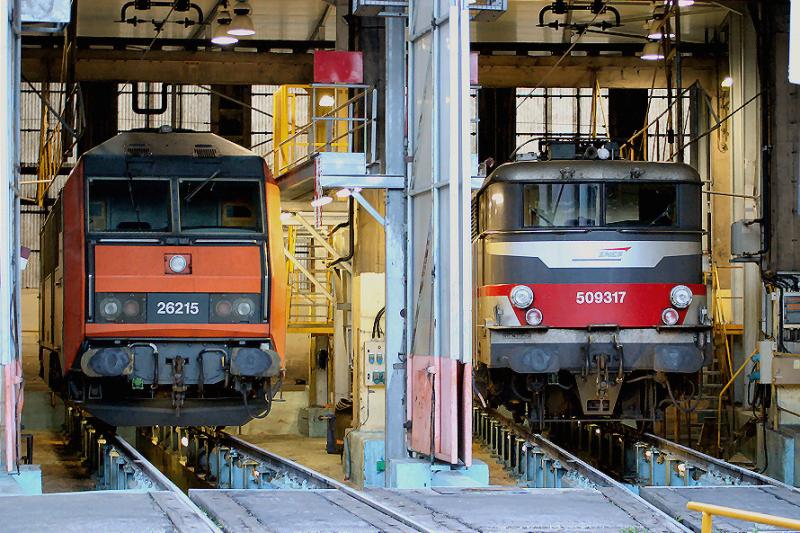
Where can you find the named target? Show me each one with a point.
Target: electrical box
(374, 363)
(778, 368)
(791, 310)
(745, 241)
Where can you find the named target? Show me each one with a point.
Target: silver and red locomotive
(590, 295)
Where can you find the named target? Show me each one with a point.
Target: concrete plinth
(27, 482)
(310, 423)
(421, 474)
(364, 453)
(783, 454)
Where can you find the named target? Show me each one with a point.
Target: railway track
(119, 466)
(630, 458)
(660, 472)
(226, 462)
(218, 471)
(209, 480)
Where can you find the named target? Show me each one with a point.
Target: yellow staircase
(310, 284)
(711, 425)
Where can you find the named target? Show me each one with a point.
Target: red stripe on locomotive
(632, 305)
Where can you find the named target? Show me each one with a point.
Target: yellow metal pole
(722, 392)
(706, 525)
(709, 511)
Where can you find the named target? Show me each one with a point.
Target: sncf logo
(605, 254)
(613, 253)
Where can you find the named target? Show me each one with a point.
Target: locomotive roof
(169, 143)
(591, 170)
(169, 153)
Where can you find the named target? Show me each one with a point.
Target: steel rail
(707, 462)
(614, 490)
(158, 478)
(568, 460)
(282, 463)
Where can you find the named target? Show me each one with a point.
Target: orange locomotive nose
(207, 269)
(208, 291)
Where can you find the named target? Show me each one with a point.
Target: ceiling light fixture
(322, 200)
(221, 36)
(242, 24)
(652, 52)
(655, 30)
(327, 100)
(680, 3)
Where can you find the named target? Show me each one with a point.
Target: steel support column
(395, 227)
(439, 256)
(10, 331)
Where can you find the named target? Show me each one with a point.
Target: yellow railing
(722, 393)
(719, 317)
(308, 119)
(710, 511)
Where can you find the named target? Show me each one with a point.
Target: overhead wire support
(581, 33)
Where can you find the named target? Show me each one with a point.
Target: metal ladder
(310, 283)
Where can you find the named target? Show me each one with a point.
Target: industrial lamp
(221, 35)
(652, 51)
(322, 200)
(655, 30)
(242, 24)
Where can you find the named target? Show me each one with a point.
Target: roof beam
(611, 71)
(213, 66)
(181, 67)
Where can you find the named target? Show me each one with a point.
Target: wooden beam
(276, 68)
(618, 72)
(184, 67)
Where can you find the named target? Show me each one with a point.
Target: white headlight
(669, 316)
(244, 308)
(533, 317)
(111, 308)
(521, 296)
(680, 296)
(177, 263)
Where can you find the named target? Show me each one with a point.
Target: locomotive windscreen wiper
(199, 188)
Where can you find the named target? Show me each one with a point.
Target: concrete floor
(310, 452)
(61, 470)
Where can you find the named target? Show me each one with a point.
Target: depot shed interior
(715, 96)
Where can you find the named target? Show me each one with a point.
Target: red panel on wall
(333, 66)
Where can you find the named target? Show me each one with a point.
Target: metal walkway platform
(463, 510)
(317, 510)
(110, 511)
(776, 500)
(509, 509)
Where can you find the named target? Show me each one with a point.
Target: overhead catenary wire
(719, 123)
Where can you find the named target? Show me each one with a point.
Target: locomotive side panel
(74, 255)
(51, 304)
(277, 267)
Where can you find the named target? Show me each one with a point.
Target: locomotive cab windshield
(644, 204)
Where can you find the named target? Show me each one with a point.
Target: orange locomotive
(163, 282)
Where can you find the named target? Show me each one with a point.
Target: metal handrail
(312, 147)
(307, 127)
(709, 511)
